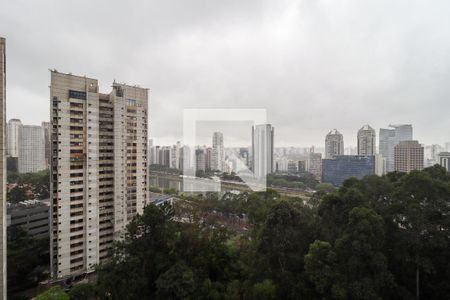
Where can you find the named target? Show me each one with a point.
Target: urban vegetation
(28, 186)
(376, 238)
(28, 261)
(298, 181)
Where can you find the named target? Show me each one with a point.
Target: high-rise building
(185, 158)
(164, 157)
(13, 136)
(337, 169)
(200, 160)
(380, 165)
(243, 153)
(48, 152)
(2, 168)
(31, 149)
(209, 159)
(303, 165)
(334, 144)
(99, 169)
(444, 160)
(292, 166)
(408, 156)
(217, 155)
(447, 146)
(315, 165)
(366, 140)
(431, 153)
(389, 138)
(175, 156)
(262, 149)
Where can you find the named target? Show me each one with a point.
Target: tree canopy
(375, 238)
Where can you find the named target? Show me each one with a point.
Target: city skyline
(386, 72)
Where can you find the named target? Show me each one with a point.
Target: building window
(77, 95)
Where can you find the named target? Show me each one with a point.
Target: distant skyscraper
(99, 169)
(185, 158)
(334, 144)
(444, 160)
(380, 165)
(408, 156)
(292, 166)
(366, 140)
(209, 160)
(13, 134)
(315, 165)
(32, 149)
(244, 153)
(337, 169)
(175, 156)
(165, 155)
(217, 155)
(200, 160)
(262, 149)
(302, 165)
(389, 138)
(2, 169)
(431, 155)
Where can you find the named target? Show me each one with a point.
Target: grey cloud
(314, 64)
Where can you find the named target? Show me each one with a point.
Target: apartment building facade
(99, 168)
(408, 156)
(3, 168)
(31, 149)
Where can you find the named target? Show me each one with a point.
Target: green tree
(17, 194)
(176, 283)
(423, 216)
(321, 267)
(283, 242)
(142, 255)
(54, 293)
(265, 290)
(361, 258)
(82, 291)
(325, 187)
(27, 259)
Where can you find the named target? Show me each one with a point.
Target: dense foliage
(376, 238)
(54, 293)
(299, 181)
(28, 260)
(29, 186)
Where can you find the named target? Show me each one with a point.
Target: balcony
(77, 157)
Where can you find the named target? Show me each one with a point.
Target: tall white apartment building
(31, 149)
(262, 150)
(99, 168)
(2, 169)
(217, 154)
(175, 156)
(13, 136)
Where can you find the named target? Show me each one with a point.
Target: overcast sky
(314, 65)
